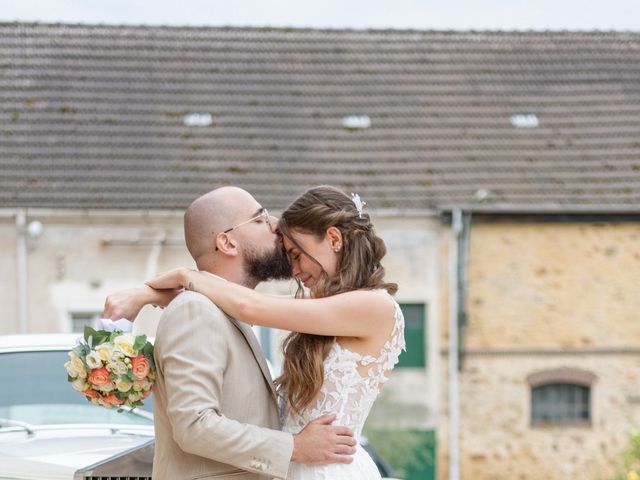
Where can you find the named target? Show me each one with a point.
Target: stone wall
(556, 285)
(543, 297)
(498, 441)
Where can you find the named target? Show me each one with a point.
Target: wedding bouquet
(112, 367)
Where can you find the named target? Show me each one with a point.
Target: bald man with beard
(215, 407)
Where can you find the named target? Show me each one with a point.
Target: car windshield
(35, 391)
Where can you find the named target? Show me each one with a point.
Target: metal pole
(21, 271)
(454, 452)
(154, 256)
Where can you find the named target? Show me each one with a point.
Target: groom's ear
(227, 245)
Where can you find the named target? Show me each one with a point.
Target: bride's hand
(128, 303)
(176, 278)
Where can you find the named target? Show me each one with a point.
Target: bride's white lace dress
(350, 395)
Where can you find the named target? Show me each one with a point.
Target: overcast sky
(418, 14)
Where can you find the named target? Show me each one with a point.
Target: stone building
(551, 360)
(501, 168)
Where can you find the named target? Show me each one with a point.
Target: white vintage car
(49, 431)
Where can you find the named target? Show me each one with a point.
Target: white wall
(82, 257)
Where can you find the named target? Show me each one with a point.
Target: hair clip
(357, 201)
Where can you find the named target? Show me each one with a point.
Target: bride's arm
(359, 313)
(128, 303)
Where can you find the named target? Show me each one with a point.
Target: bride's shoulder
(377, 295)
(374, 303)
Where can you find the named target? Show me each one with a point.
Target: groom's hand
(321, 443)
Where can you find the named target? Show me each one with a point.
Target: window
(414, 335)
(561, 397)
(265, 337)
(559, 403)
(356, 122)
(79, 320)
(197, 119)
(524, 120)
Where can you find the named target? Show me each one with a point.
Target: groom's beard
(270, 265)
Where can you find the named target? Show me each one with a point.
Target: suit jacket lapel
(247, 331)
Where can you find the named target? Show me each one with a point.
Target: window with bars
(79, 320)
(560, 403)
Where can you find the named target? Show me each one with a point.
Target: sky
(619, 15)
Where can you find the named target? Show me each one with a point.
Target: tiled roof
(92, 116)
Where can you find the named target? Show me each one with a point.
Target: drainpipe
(454, 449)
(21, 271)
(154, 256)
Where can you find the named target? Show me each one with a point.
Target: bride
(346, 335)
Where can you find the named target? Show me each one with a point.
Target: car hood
(58, 454)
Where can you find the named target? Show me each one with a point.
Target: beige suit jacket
(215, 409)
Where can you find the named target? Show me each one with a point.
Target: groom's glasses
(263, 215)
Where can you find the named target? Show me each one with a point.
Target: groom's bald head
(213, 213)
(247, 255)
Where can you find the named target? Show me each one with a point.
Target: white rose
(105, 350)
(140, 385)
(133, 397)
(70, 370)
(118, 367)
(123, 385)
(106, 388)
(78, 384)
(78, 365)
(116, 355)
(124, 343)
(121, 368)
(93, 360)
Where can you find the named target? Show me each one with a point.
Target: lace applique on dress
(345, 391)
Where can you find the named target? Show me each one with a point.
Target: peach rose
(99, 377)
(111, 399)
(90, 393)
(140, 367)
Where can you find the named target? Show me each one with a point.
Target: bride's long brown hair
(358, 268)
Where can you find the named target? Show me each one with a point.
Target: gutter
(454, 403)
(458, 261)
(21, 271)
(178, 213)
(516, 209)
(72, 212)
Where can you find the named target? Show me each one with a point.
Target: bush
(411, 453)
(631, 460)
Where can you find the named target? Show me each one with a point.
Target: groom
(215, 409)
